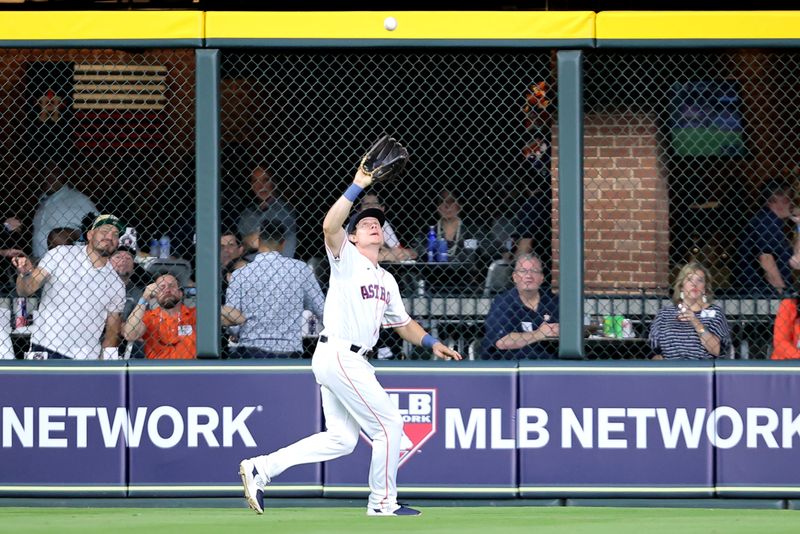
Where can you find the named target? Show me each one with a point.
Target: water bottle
(627, 329)
(744, 350)
(21, 318)
(431, 244)
(312, 325)
(164, 247)
(154, 248)
(421, 287)
(441, 250)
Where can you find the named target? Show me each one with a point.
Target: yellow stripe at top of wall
(100, 25)
(410, 25)
(698, 25)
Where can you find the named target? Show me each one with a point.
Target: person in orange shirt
(786, 332)
(168, 330)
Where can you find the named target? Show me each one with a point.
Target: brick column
(626, 204)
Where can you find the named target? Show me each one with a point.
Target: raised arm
(29, 278)
(134, 327)
(337, 214)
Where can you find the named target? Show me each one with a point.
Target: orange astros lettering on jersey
(375, 291)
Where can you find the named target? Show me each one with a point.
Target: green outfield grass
(481, 520)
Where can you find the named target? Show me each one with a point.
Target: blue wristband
(352, 192)
(429, 341)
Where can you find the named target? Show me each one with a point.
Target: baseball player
(362, 298)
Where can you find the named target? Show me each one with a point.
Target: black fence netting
(478, 185)
(98, 189)
(691, 192)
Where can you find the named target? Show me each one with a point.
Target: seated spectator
(122, 261)
(266, 207)
(391, 250)
(167, 326)
(765, 255)
(693, 327)
(11, 246)
(231, 251)
(786, 332)
(522, 316)
(60, 207)
(463, 240)
(82, 299)
(62, 237)
(272, 291)
(11, 238)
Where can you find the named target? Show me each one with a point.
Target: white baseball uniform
(361, 299)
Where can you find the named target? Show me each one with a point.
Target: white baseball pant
(351, 398)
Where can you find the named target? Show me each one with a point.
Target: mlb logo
(418, 408)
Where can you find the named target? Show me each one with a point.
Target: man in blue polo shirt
(522, 317)
(765, 255)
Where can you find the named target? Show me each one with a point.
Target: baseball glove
(386, 159)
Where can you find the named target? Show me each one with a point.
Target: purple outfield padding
(458, 425)
(615, 429)
(198, 420)
(758, 429)
(57, 424)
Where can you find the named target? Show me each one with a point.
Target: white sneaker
(253, 485)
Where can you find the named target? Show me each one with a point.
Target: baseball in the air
(390, 23)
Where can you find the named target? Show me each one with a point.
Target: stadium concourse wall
(472, 430)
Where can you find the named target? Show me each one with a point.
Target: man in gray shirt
(267, 208)
(272, 291)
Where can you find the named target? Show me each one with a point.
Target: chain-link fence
(690, 157)
(478, 127)
(86, 133)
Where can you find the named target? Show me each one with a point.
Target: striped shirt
(272, 292)
(678, 340)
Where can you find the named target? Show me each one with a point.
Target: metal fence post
(570, 199)
(207, 152)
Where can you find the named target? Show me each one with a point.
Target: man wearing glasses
(522, 316)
